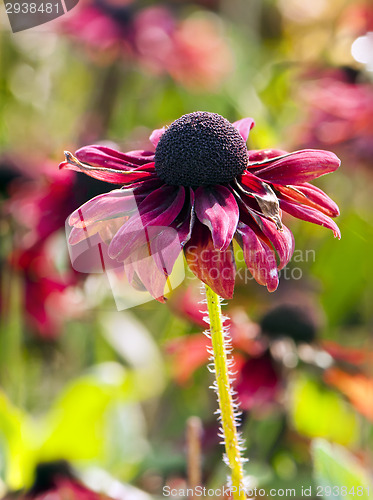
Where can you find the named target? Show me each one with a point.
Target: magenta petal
(311, 215)
(110, 175)
(156, 135)
(217, 208)
(142, 262)
(102, 156)
(165, 249)
(159, 208)
(244, 126)
(282, 241)
(262, 155)
(259, 258)
(252, 185)
(140, 156)
(214, 267)
(117, 203)
(185, 222)
(299, 167)
(307, 194)
(168, 244)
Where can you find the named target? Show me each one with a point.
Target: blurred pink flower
(202, 182)
(339, 115)
(153, 37)
(41, 206)
(46, 300)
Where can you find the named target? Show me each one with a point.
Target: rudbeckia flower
(203, 182)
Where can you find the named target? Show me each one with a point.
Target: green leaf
(319, 412)
(75, 422)
(20, 437)
(336, 468)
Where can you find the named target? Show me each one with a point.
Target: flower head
(202, 182)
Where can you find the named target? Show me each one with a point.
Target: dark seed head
(200, 149)
(290, 321)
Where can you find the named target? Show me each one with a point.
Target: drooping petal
(153, 279)
(214, 267)
(299, 167)
(106, 229)
(282, 241)
(169, 242)
(263, 194)
(259, 257)
(113, 176)
(106, 213)
(116, 203)
(165, 248)
(156, 135)
(311, 215)
(251, 184)
(185, 221)
(244, 126)
(310, 195)
(159, 208)
(217, 208)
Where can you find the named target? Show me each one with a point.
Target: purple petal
(143, 264)
(310, 195)
(106, 229)
(299, 167)
(259, 258)
(185, 221)
(139, 155)
(156, 135)
(117, 203)
(214, 267)
(252, 185)
(282, 241)
(217, 208)
(262, 155)
(159, 208)
(102, 156)
(167, 245)
(311, 215)
(244, 126)
(266, 199)
(114, 176)
(165, 249)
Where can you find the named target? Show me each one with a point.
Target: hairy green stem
(224, 392)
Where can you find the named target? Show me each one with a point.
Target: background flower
(155, 38)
